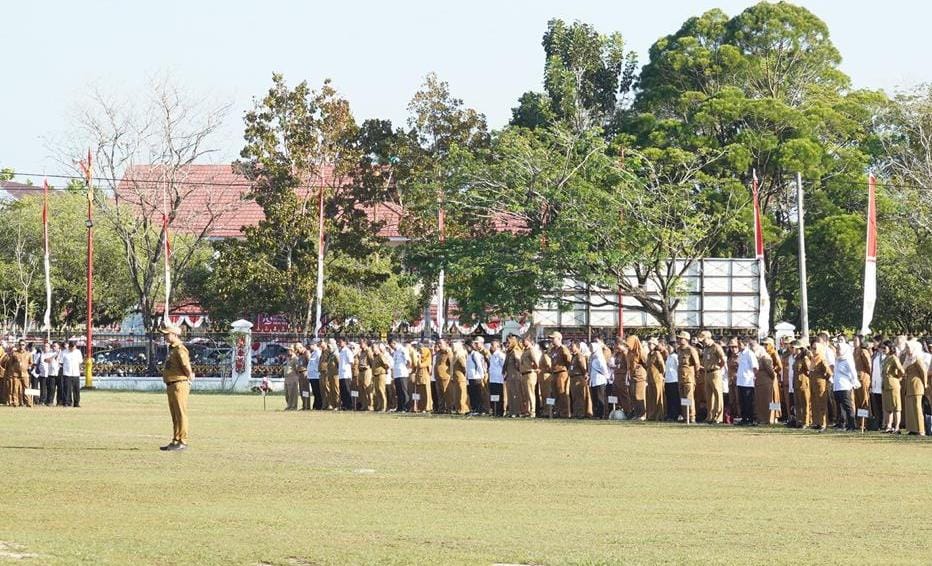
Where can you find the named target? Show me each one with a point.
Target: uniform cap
(556, 335)
(171, 329)
(683, 335)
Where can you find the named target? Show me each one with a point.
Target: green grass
(90, 486)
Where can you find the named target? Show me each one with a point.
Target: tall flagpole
(47, 319)
(320, 261)
(89, 360)
(167, 251)
(441, 312)
(870, 258)
(763, 316)
(803, 290)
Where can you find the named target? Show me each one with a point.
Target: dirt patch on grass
(13, 551)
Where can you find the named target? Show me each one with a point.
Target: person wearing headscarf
(513, 353)
(598, 379)
(443, 365)
(916, 381)
(497, 360)
(862, 365)
(732, 351)
(620, 383)
(767, 386)
(689, 364)
(655, 368)
(304, 387)
(893, 373)
(579, 380)
(845, 382)
(637, 377)
(313, 375)
(475, 373)
(292, 386)
(671, 384)
(459, 403)
(713, 361)
(560, 362)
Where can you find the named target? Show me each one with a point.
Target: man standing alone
(177, 376)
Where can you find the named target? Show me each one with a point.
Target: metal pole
(803, 294)
(88, 371)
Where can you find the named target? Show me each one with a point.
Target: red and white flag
(870, 260)
(47, 320)
(763, 317)
(167, 252)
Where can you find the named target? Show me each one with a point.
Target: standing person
(71, 363)
(18, 366)
(381, 364)
(748, 366)
(37, 373)
(313, 375)
(345, 373)
(845, 382)
(689, 364)
(459, 401)
(560, 360)
(333, 374)
(893, 374)
(713, 361)
(484, 394)
(422, 379)
(598, 379)
(323, 368)
(366, 385)
(443, 365)
(402, 364)
(788, 381)
(620, 381)
(292, 380)
(637, 377)
(475, 373)
(177, 375)
(544, 380)
(513, 353)
(579, 381)
(767, 385)
(497, 359)
(916, 376)
(655, 369)
(877, 361)
(4, 382)
(52, 360)
(671, 384)
(528, 364)
(733, 351)
(862, 365)
(820, 372)
(802, 388)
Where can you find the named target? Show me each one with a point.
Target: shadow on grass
(70, 449)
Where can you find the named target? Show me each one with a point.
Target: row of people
(735, 381)
(53, 370)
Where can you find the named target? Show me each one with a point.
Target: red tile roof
(11, 190)
(214, 200)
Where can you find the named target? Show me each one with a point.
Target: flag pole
(441, 311)
(89, 349)
(763, 315)
(870, 258)
(803, 290)
(320, 261)
(47, 319)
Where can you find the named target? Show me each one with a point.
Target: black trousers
(474, 389)
(401, 395)
(597, 394)
(346, 400)
(72, 387)
(845, 409)
(60, 390)
(671, 393)
(746, 399)
(498, 407)
(315, 392)
(51, 383)
(877, 407)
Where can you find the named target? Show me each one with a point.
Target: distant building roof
(11, 191)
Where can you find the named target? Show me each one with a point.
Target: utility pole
(803, 294)
(89, 359)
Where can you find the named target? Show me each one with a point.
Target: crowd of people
(46, 374)
(874, 384)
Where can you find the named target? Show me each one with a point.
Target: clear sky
(376, 52)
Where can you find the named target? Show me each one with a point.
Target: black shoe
(170, 446)
(179, 446)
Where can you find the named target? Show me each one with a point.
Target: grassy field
(90, 486)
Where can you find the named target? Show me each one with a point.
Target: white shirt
(671, 368)
(400, 360)
(791, 370)
(846, 377)
(747, 363)
(71, 361)
(313, 364)
(598, 370)
(346, 363)
(497, 367)
(39, 364)
(725, 379)
(475, 366)
(53, 362)
(877, 373)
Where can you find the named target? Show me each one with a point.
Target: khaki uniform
(380, 367)
(916, 384)
(689, 364)
(560, 359)
(862, 395)
(544, 382)
(819, 374)
(893, 374)
(443, 361)
(637, 383)
(17, 377)
(802, 390)
(713, 361)
(459, 396)
(422, 381)
(513, 379)
(579, 386)
(366, 387)
(177, 377)
(655, 406)
(4, 382)
(527, 395)
(622, 389)
(292, 383)
(733, 387)
(332, 377)
(767, 389)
